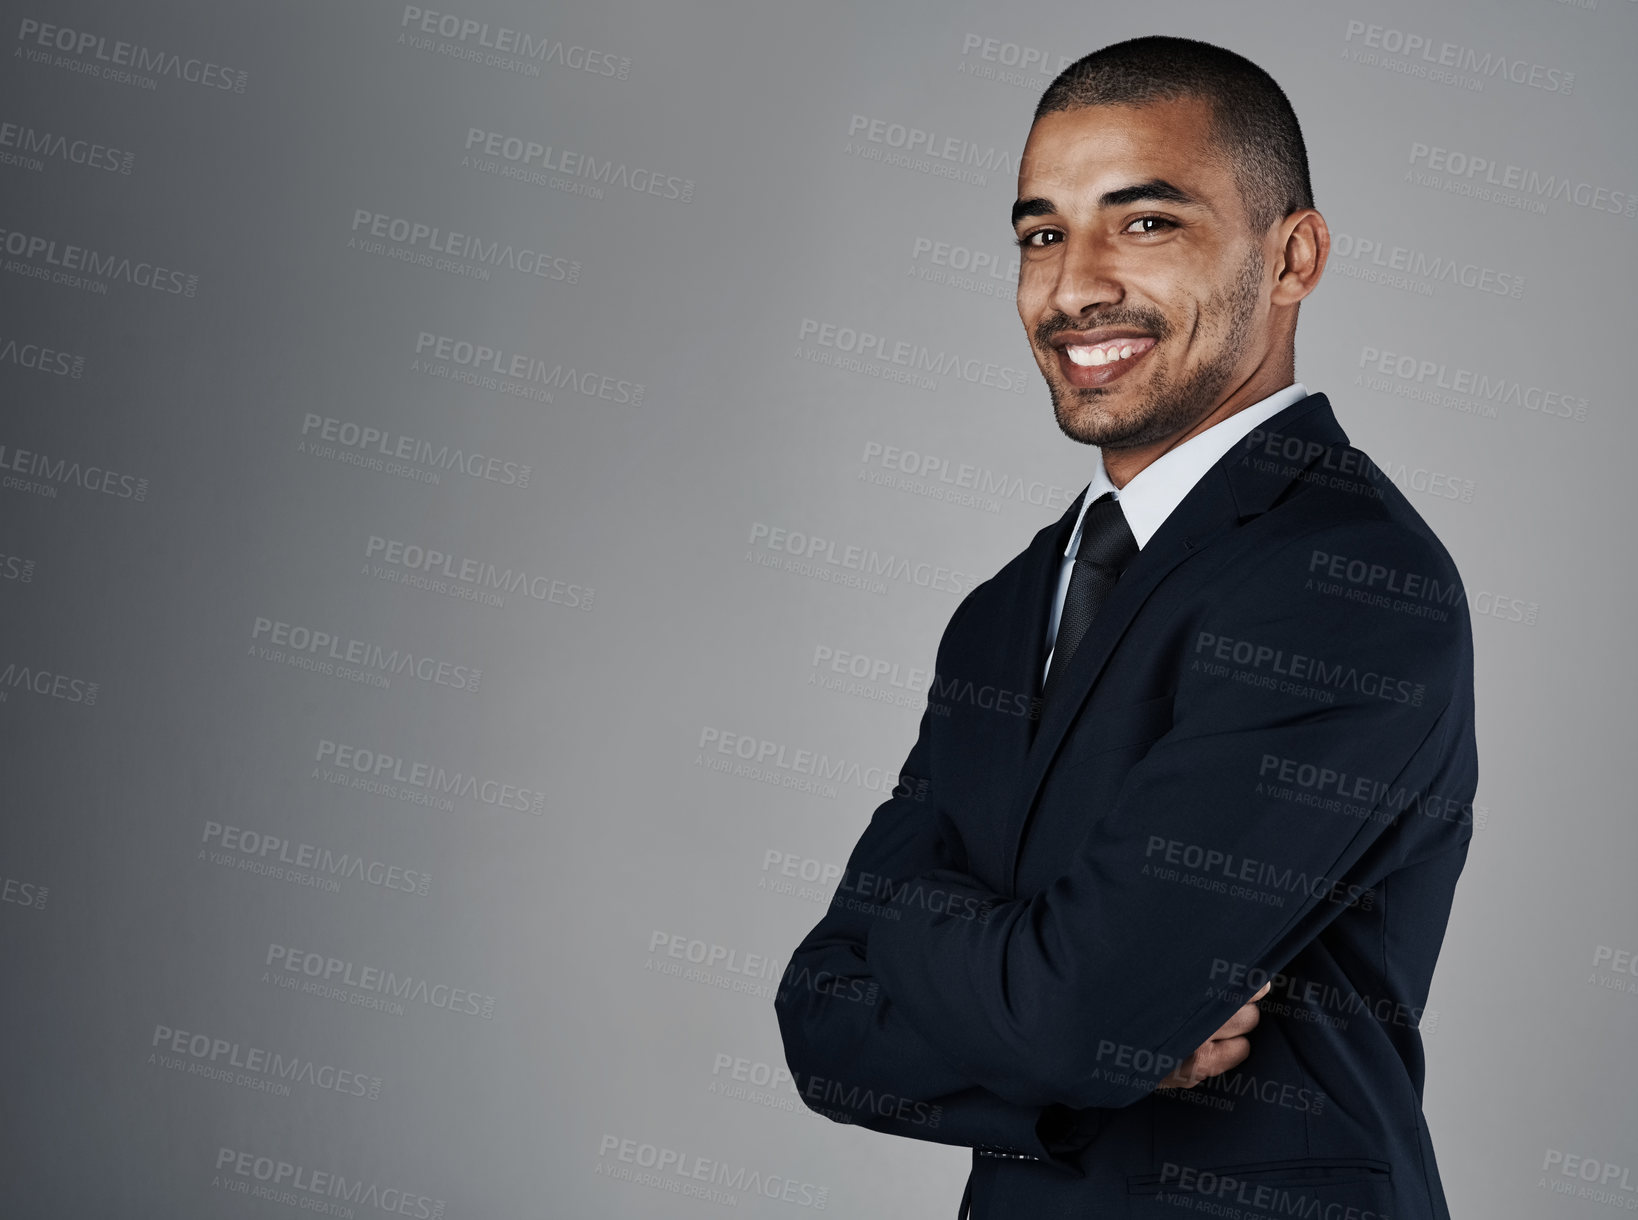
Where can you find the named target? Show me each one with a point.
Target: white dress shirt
(1151, 494)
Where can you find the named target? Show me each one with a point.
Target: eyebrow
(1155, 188)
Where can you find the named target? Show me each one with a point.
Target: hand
(1227, 1048)
(948, 851)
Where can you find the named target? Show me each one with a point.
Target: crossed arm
(848, 1043)
(1003, 1019)
(855, 1056)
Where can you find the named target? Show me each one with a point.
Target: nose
(1086, 277)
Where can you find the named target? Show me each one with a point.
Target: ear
(1303, 244)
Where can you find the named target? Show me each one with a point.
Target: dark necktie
(1107, 546)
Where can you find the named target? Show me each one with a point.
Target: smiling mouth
(1097, 364)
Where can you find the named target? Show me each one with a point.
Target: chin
(1094, 427)
(1092, 422)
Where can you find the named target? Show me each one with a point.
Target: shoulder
(1343, 584)
(1344, 518)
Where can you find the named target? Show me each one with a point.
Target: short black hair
(1252, 120)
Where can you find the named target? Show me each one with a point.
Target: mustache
(1153, 323)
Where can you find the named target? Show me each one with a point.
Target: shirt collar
(1150, 495)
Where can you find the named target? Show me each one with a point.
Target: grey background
(122, 914)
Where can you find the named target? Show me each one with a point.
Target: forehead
(1085, 151)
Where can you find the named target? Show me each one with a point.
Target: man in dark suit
(1209, 736)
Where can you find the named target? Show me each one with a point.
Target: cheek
(1038, 284)
(1036, 277)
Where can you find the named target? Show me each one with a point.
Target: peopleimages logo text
(130, 55)
(335, 972)
(514, 42)
(310, 1189)
(434, 239)
(96, 264)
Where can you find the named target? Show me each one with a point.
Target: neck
(1125, 464)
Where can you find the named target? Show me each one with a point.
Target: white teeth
(1103, 354)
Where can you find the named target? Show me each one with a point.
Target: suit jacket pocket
(1290, 1176)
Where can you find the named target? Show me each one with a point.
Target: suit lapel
(1237, 487)
(1021, 625)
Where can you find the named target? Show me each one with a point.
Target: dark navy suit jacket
(1260, 767)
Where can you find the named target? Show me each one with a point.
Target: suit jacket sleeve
(1043, 999)
(853, 1055)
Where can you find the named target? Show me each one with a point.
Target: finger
(1261, 992)
(1185, 1075)
(1215, 1058)
(1243, 1021)
(1212, 1059)
(1225, 1049)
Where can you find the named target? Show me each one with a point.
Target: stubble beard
(1170, 407)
